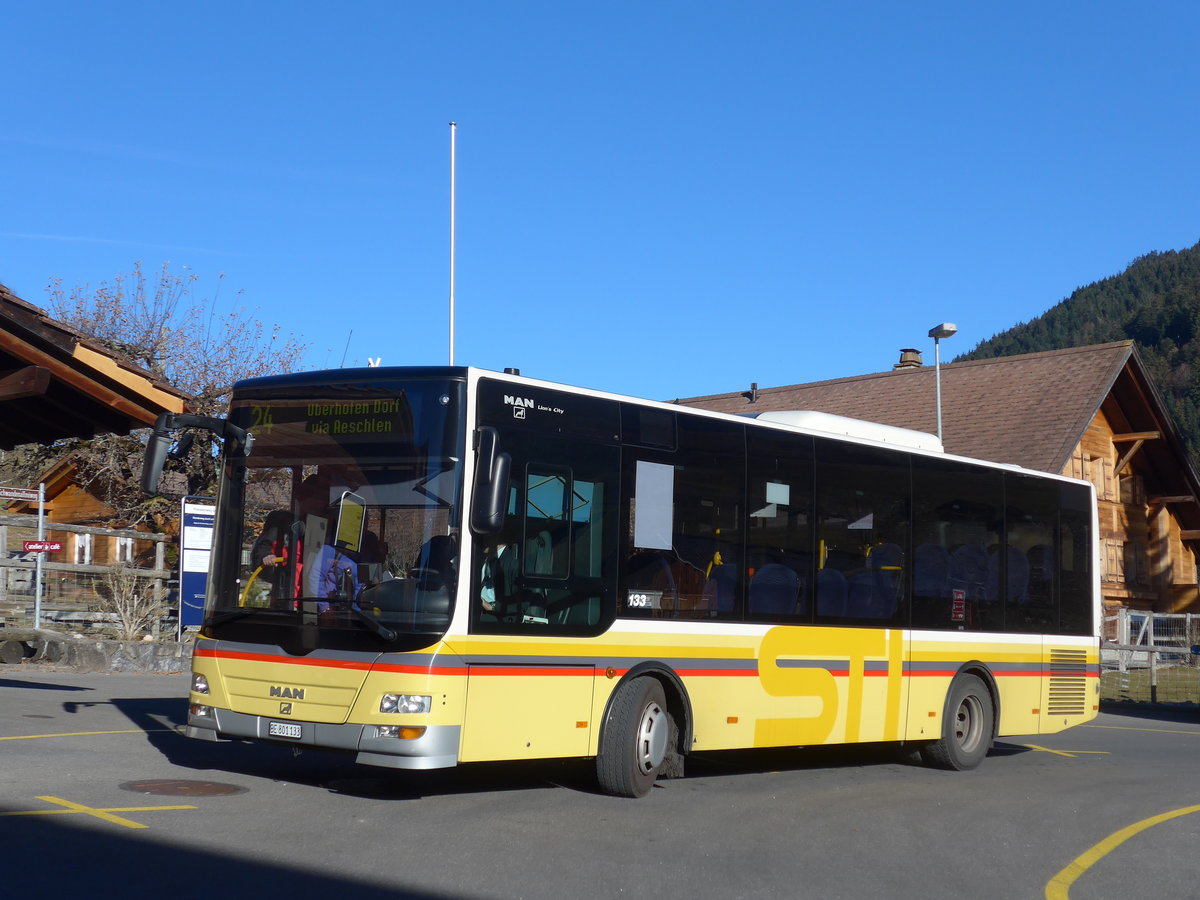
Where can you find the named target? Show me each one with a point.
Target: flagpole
(453, 131)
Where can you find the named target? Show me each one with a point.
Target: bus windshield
(339, 530)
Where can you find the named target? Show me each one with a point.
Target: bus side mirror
(492, 467)
(156, 453)
(164, 432)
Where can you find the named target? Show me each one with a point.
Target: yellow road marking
(1155, 730)
(1071, 754)
(29, 737)
(1058, 888)
(105, 814)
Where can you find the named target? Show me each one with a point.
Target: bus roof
(844, 426)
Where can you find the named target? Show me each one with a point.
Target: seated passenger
(331, 575)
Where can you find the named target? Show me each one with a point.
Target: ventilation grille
(1068, 683)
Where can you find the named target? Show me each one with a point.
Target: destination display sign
(369, 418)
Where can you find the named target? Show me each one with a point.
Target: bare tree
(199, 344)
(164, 326)
(131, 599)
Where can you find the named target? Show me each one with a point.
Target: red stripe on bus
(535, 670)
(494, 669)
(267, 657)
(345, 664)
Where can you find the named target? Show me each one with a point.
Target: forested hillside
(1155, 302)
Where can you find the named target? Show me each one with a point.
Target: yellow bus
(433, 566)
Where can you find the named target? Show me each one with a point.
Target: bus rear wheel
(636, 739)
(968, 726)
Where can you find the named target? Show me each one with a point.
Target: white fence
(72, 595)
(1150, 657)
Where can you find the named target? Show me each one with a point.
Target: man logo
(285, 709)
(518, 401)
(289, 693)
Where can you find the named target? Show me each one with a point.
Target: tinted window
(689, 554)
(957, 523)
(1074, 560)
(862, 508)
(1028, 569)
(779, 533)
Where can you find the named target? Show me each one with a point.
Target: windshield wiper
(233, 614)
(374, 624)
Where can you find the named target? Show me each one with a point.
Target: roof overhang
(56, 384)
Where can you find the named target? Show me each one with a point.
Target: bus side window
(685, 523)
(957, 527)
(779, 534)
(1073, 561)
(863, 506)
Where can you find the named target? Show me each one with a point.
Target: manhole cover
(175, 788)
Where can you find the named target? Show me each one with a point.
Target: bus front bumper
(437, 748)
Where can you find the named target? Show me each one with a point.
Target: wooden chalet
(1089, 412)
(56, 384)
(70, 503)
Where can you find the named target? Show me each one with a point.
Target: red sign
(958, 606)
(41, 546)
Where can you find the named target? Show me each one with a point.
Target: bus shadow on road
(1183, 713)
(471, 778)
(158, 867)
(163, 720)
(39, 685)
(799, 759)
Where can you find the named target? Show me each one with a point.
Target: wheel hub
(651, 738)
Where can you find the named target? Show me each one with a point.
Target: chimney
(909, 359)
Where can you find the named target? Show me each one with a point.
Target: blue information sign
(195, 549)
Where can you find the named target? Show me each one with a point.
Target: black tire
(968, 726)
(635, 739)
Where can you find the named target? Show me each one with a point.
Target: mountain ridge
(1155, 302)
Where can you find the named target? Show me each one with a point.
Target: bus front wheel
(968, 726)
(635, 740)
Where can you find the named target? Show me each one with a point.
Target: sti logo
(519, 405)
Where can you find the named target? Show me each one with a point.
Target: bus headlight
(199, 683)
(405, 703)
(200, 712)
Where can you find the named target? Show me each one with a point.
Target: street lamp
(937, 332)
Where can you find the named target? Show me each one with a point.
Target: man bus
(524, 570)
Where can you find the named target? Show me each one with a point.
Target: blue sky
(663, 199)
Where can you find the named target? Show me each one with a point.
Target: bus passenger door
(542, 585)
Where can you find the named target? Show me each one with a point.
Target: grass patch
(1176, 684)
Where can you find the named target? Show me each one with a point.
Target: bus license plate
(284, 729)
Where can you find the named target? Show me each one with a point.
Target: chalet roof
(55, 383)
(1028, 410)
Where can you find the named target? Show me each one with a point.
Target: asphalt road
(102, 796)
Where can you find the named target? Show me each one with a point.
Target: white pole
(41, 532)
(937, 377)
(453, 130)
